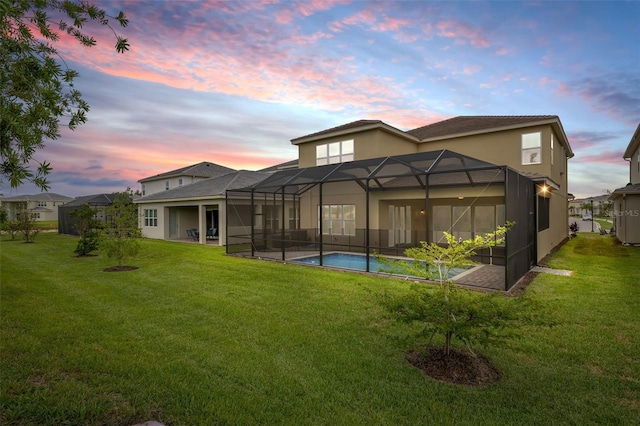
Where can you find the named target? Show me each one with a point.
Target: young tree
(86, 225)
(26, 224)
(450, 311)
(7, 225)
(120, 236)
(36, 92)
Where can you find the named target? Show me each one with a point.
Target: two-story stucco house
(626, 200)
(181, 177)
(368, 187)
(43, 206)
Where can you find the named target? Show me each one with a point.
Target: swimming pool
(356, 262)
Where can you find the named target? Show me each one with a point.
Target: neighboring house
(181, 177)
(200, 206)
(43, 206)
(600, 204)
(626, 200)
(369, 187)
(98, 202)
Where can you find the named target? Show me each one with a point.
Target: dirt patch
(121, 268)
(519, 288)
(460, 367)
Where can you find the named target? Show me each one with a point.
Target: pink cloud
(462, 32)
(613, 158)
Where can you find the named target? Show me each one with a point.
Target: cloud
(462, 32)
(615, 94)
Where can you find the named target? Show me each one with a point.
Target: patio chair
(194, 234)
(212, 234)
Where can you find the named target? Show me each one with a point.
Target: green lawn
(195, 337)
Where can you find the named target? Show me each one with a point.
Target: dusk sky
(233, 82)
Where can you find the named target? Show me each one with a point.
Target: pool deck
(489, 277)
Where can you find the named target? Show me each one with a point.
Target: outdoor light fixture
(421, 211)
(460, 198)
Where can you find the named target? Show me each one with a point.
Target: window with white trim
(179, 181)
(338, 219)
(151, 217)
(42, 204)
(531, 148)
(334, 152)
(144, 189)
(166, 185)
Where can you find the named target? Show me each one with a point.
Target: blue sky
(234, 82)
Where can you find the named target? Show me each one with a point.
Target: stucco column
(222, 223)
(202, 223)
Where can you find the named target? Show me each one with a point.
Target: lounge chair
(194, 234)
(212, 234)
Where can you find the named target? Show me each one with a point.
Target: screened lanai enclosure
(348, 212)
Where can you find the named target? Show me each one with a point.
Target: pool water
(356, 262)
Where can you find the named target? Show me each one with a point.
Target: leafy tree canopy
(36, 91)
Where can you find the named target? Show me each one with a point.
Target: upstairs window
(144, 189)
(42, 204)
(334, 152)
(166, 185)
(531, 148)
(180, 182)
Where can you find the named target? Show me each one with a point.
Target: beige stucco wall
(634, 166)
(627, 218)
(504, 148)
(159, 185)
(188, 215)
(369, 144)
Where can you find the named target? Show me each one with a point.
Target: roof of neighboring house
(44, 196)
(293, 164)
(633, 144)
(92, 200)
(203, 170)
(629, 189)
(212, 187)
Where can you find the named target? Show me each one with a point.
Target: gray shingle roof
(212, 187)
(44, 196)
(204, 170)
(95, 200)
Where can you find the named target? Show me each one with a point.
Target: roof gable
(211, 187)
(203, 170)
(462, 125)
(350, 128)
(634, 144)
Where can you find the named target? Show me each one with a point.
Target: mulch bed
(121, 268)
(460, 367)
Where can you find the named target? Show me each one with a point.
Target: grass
(47, 224)
(196, 337)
